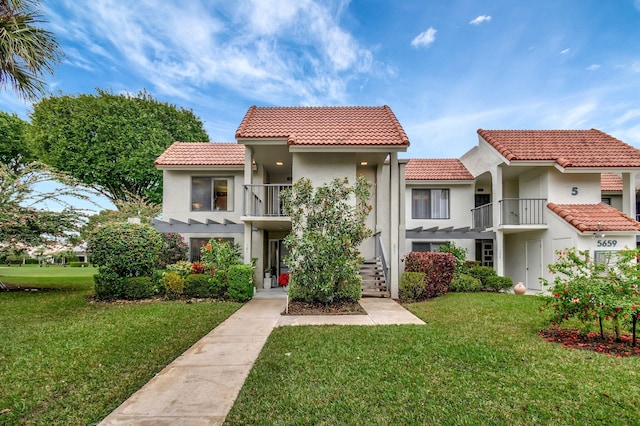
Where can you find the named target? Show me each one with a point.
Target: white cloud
(425, 38)
(565, 51)
(593, 67)
(636, 3)
(273, 51)
(481, 19)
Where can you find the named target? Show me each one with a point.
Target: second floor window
(211, 194)
(430, 204)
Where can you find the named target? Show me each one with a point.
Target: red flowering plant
(198, 267)
(283, 280)
(595, 292)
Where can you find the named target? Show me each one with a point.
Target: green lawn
(478, 360)
(65, 360)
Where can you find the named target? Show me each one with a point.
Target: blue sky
(446, 68)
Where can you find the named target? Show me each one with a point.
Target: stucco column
(248, 179)
(402, 226)
(496, 191)
(394, 223)
(629, 194)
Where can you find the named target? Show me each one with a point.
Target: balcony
(482, 216)
(514, 213)
(263, 201)
(522, 211)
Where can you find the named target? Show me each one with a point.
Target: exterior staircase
(374, 283)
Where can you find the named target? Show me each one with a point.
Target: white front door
(534, 265)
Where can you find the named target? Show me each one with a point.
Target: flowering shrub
(595, 292)
(220, 254)
(174, 249)
(283, 280)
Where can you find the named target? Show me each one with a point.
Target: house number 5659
(574, 190)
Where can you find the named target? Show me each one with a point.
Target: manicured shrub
(78, 264)
(197, 285)
(219, 284)
(108, 285)
(240, 285)
(138, 288)
(173, 285)
(173, 249)
(181, 268)
(497, 283)
(412, 285)
(465, 283)
(482, 273)
(128, 249)
(437, 267)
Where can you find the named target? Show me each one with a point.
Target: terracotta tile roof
(436, 169)
(610, 182)
(324, 125)
(568, 148)
(585, 217)
(202, 154)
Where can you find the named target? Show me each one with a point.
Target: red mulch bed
(338, 308)
(575, 339)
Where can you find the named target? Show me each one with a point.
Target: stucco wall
(323, 167)
(461, 201)
(563, 186)
(176, 202)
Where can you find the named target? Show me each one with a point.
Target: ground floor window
(604, 257)
(196, 244)
(426, 245)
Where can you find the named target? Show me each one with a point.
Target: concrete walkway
(201, 385)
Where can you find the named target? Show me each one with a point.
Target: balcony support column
(394, 220)
(629, 194)
(496, 194)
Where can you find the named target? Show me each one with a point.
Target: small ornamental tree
(593, 292)
(328, 225)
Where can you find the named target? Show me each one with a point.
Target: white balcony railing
(263, 200)
(513, 211)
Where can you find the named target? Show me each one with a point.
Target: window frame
(429, 209)
(212, 193)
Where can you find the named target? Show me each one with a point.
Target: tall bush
(128, 249)
(327, 227)
(122, 251)
(437, 267)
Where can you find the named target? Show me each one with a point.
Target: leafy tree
(109, 142)
(328, 226)
(15, 152)
(26, 51)
(21, 222)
